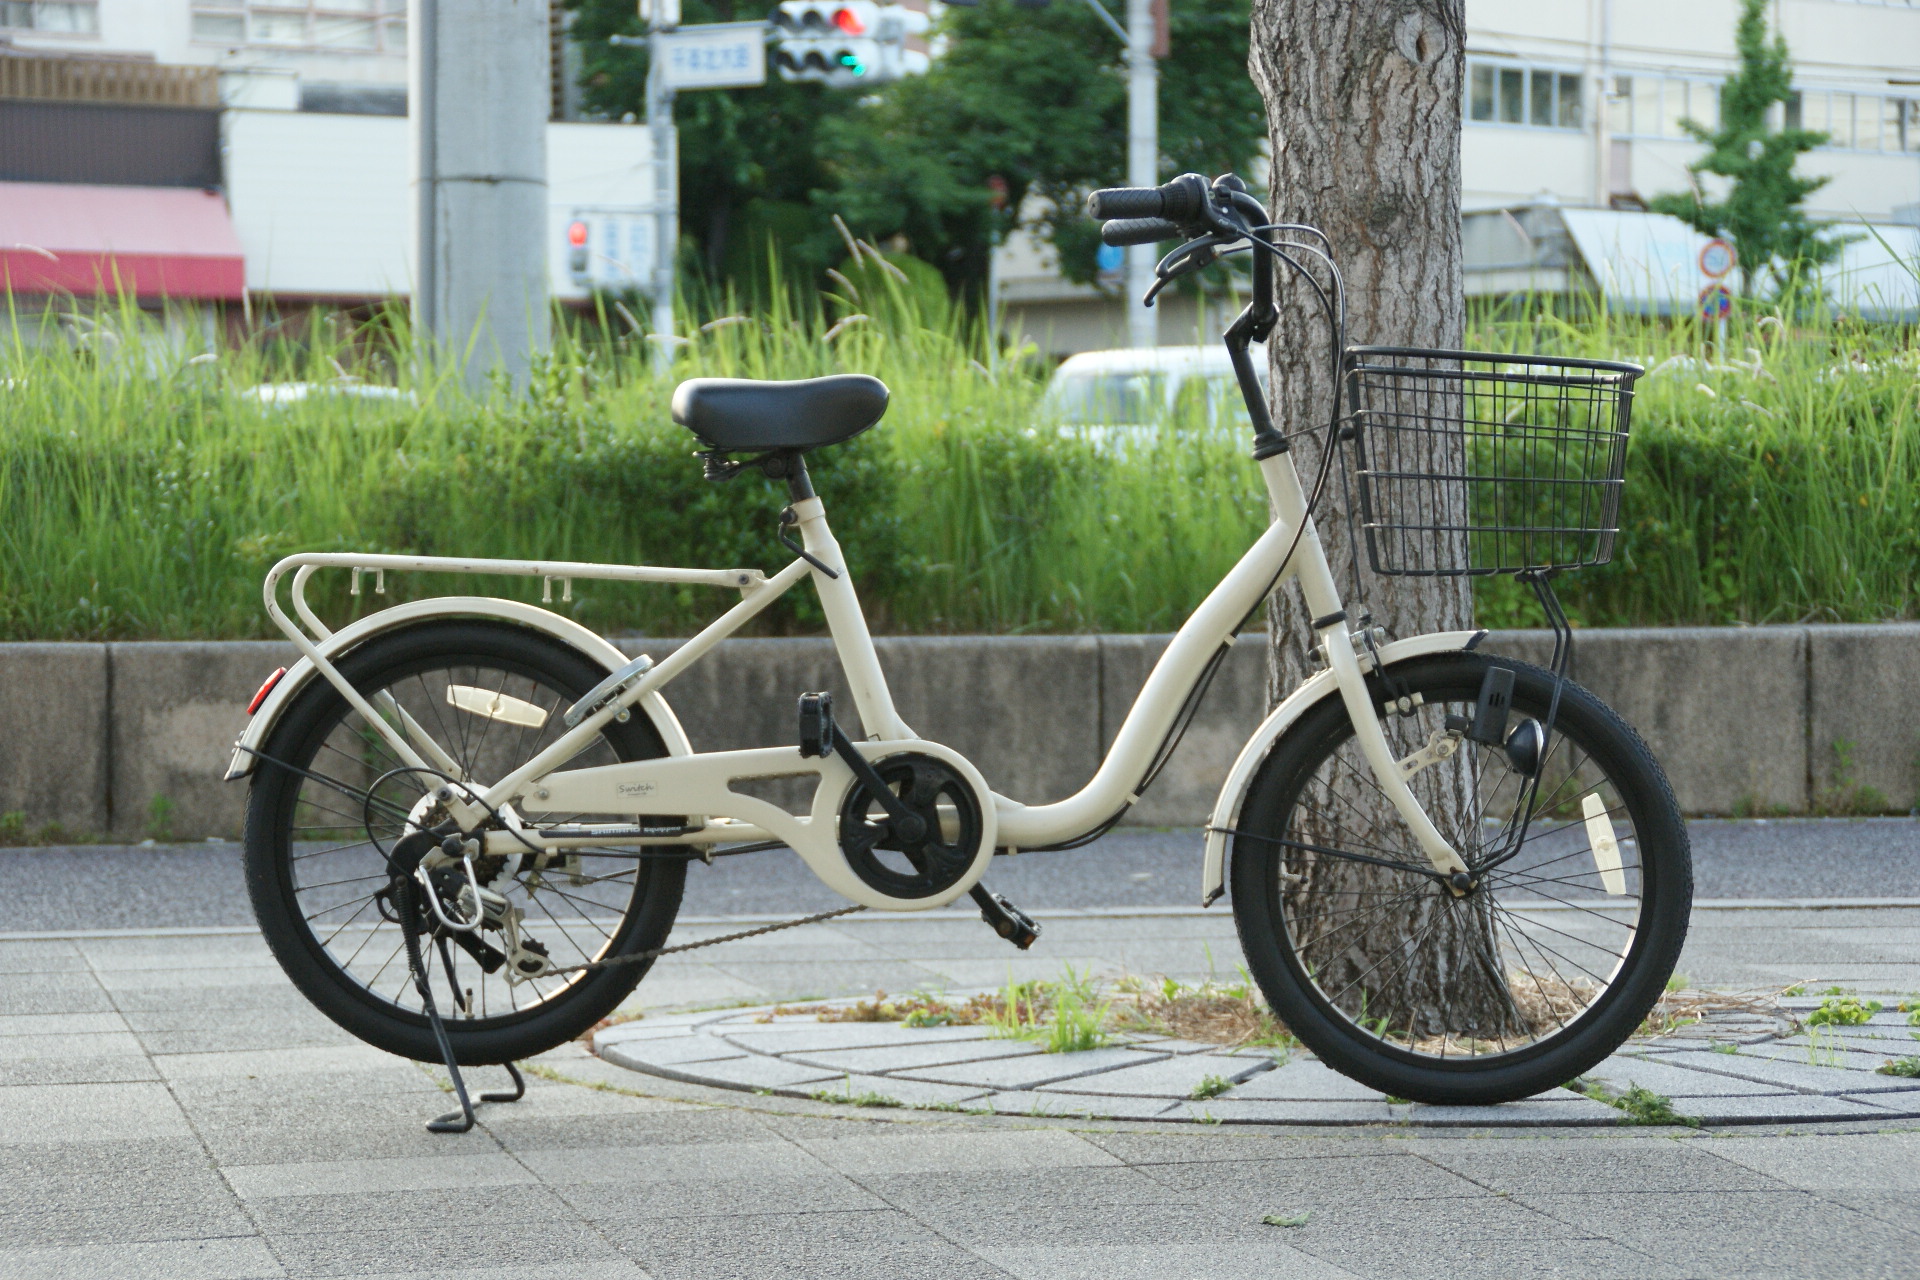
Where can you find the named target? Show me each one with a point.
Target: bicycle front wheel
(331, 798)
(1582, 884)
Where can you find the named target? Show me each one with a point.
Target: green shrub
(143, 494)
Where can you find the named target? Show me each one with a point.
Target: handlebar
(1124, 231)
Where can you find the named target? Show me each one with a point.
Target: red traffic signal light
(576, 233)
(849, 21)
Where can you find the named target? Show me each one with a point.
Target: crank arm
(903, 817)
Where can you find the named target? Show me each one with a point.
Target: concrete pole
(666, 205)
(479, 94)
(1143, 163)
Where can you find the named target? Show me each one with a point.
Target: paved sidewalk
(170, 1107)
(1732, 1069)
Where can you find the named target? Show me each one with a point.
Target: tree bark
(1363, 106)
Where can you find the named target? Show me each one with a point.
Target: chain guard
(930, 866)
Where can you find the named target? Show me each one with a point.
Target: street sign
(1716, 300)
(717, 55)
(1716, 259)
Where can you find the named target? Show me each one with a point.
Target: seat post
(790, 465)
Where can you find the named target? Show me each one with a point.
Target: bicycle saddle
(745, 414)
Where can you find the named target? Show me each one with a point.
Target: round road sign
(1716, 259)
(1716, 300)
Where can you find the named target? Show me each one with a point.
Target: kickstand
(454, 1121)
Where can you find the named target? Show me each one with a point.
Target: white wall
(164, 29)
(324, 203)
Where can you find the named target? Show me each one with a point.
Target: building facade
(1578, 104)
(294, 114)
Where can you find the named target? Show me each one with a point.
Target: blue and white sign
(718, 55)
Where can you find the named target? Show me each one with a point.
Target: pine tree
(1761, 213)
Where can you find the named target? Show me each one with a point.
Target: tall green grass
(144, 494)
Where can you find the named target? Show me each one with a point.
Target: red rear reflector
(265, 689)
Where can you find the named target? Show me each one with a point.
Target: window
(1652, 106)
(61, 17)
(345, 26)
(1856, 121)
(1500, 94)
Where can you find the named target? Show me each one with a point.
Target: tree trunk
(1363, 106)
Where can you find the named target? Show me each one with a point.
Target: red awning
(172, 242)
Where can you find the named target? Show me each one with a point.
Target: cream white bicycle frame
(699, 783)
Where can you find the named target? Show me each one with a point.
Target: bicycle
(504, 798)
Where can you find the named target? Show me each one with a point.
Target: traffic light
(846, 43)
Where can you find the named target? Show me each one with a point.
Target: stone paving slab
(1742, 1069)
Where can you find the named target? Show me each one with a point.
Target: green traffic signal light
(851, 61)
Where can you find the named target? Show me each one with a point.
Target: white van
(1112, 395)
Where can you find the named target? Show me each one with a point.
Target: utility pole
(479, 92)
(1143, 160)
(666, 197)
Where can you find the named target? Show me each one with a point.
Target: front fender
(1226, 810)
(562, 629)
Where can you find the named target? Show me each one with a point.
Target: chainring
(947, 805)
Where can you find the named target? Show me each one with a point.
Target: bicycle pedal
(1005, 919)
(816, 724)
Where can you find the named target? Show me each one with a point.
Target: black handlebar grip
(1123, 231)
(1125, 202)
(1181, 200)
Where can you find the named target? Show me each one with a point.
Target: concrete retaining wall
(1745, 719)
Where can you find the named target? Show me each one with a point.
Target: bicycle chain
(657, 952)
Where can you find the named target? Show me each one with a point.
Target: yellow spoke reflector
(495, 706)
(1606, 850)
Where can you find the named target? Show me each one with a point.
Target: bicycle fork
(1322, 597)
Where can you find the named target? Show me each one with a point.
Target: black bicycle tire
(314, 713)
(1667, 893)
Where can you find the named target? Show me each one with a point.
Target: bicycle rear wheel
(331, 797)
(1567, 939)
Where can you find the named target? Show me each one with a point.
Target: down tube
(1152, 714)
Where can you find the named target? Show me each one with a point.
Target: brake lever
(1188, 258)
(1187, 265)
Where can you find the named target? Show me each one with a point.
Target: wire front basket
(1470, 463)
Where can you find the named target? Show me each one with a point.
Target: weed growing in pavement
(1210, 1086)
(1729, 1049)
(15, 833)
(1825, 1049)
(846, 1097)
(1908, 1067)
(1065, 1015)
(1678, 982)
(160, 819)
(1287, 1220)
(1637, 1105)
(1213, 1012)
(1843, 1010)
(1846, 796)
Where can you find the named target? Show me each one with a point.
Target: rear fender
(1226, 810)
(565, 630)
